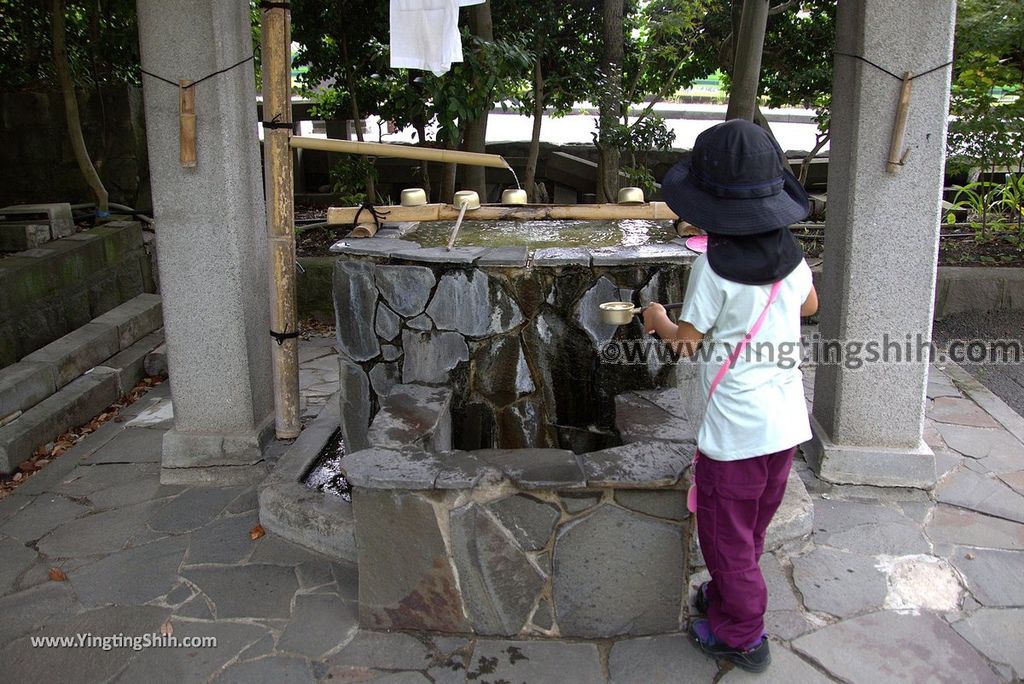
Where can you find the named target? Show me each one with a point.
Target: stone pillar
(211, 237)
(881, 240)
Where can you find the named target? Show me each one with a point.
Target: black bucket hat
(735, 183)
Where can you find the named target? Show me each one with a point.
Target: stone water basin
(509, 474)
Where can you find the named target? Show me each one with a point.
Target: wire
(883, 69)
(193, 84)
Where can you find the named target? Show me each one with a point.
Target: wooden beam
(652, 211)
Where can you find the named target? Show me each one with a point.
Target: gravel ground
(1004, 379)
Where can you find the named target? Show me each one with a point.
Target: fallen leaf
(57, 575)
(17, 477)
(969, 556)
(257, 532)
(167, 629)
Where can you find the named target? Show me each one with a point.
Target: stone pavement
(892, 586)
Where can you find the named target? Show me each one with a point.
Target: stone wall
(520, 542)
(518, 335)
(51, 290)
(42, 166)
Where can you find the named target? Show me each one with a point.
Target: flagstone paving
(891, 586)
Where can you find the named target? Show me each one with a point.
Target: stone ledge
(78, 351)
(222, 459)
(414, 415)
(317, 520)
(25, 384)
(80, 401)
(134, 319)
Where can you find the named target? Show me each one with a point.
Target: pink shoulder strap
(772, 296)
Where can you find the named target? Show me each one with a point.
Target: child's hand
(653, 313)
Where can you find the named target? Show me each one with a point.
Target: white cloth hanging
(425, 34)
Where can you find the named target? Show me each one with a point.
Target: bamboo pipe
(276, 50)
(400, 151)
(651, 211)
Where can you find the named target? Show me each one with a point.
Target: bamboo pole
(400, 151)
(276, 51)
(899, 129)
(651, 211)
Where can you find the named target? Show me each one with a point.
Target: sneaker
(754, 658)
(700, 603)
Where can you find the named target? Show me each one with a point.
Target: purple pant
(735, 502)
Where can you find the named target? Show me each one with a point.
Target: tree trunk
(448, 171)
(67, 86)
(610, 103)
(538, 119)
(746, 73)
(357, 121)
(475, 135)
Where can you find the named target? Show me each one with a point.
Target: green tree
(560, 77)
(987, 102)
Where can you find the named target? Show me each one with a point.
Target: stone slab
(134, 319)
(25, 611)
(387, 323)
(192, 509)
(131, 577)
(379, 247)
(665, 658)
(982, 493)
(534, 661)
(430, 357)
(997, 449)
(473, 304)
(25, 384)
(561, 256)
(355, 304)
(381, 650)
(993, 576)
(998, 634)
(535, 468)
(271, 670)
(408, 469)
(414, 416)
(355, 404)
(100, 533)
(71, 406)
(45, 513)
(232, 588)
(23, 663)
(950, 525)
(505, 257)
(640, 420)
(614, 557)
(59, 217)
(130, 445)
(78, 351)
(462, 256)
(531, 521)
(225, 540)
(15, 558)
(642, 254)
(195, 664)
(405, 579)
(896, 647)
(319, 623)
(669, 504)
(406, 289)
(130, 362)
(498, 583)
(644, 465)
(839, 583)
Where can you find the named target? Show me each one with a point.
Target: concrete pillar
(881, 240)
(211, 238)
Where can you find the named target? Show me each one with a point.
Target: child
(752, 280)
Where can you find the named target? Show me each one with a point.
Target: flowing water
(540, 234)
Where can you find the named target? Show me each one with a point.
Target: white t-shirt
(759, 405)
(425, 34)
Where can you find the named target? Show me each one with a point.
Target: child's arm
(810, 305)
(683, 337)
